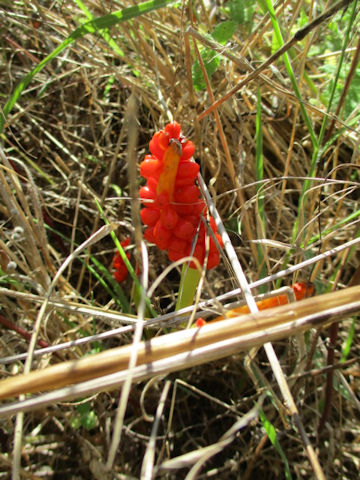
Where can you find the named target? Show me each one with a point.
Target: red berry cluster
(118, 264)
(172, 199)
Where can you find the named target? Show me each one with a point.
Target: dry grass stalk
(235, 334)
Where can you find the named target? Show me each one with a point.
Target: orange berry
(158, 144)
(150, 167)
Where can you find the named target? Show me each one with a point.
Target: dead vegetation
(64, 153)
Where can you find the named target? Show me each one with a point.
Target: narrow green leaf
(190, 278)
(271, 433)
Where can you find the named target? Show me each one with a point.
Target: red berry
(121, 270)
(179, 245)
(187, 170)
(194, 219)
(188, 150)
(184, 209)
(162, 236)
(200, 322)
(150, 167)
(125, 242)
(150, 216)
(120, 275)
(213, 248)
(212, 224)
(198, 253)
(184, 229)
(157, 148)
(174, 217)
(118, 262)
(187, 194)
(145, 193)
(174, 255)
(180, 182)
(149, 235)
(152, 183)
(201, 233)
(169, 217)
(199, 208)
(213, 260)
(158, 144)
(163, 140)
(173, 129)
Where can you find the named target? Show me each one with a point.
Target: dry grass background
(65, 148)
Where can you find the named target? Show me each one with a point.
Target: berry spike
(172, 200)
(171, 160)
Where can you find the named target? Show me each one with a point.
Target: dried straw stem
(213, 341)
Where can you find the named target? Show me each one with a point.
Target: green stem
(189, 281)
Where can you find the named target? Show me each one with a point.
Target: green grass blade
(271, 433)
(92, 26)
(104, 33)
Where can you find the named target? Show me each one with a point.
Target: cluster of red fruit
(173, 206)
(120, 269)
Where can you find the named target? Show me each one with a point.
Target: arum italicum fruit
(172, 204)
(120, 269)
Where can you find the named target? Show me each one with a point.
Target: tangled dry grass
(65, 148)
